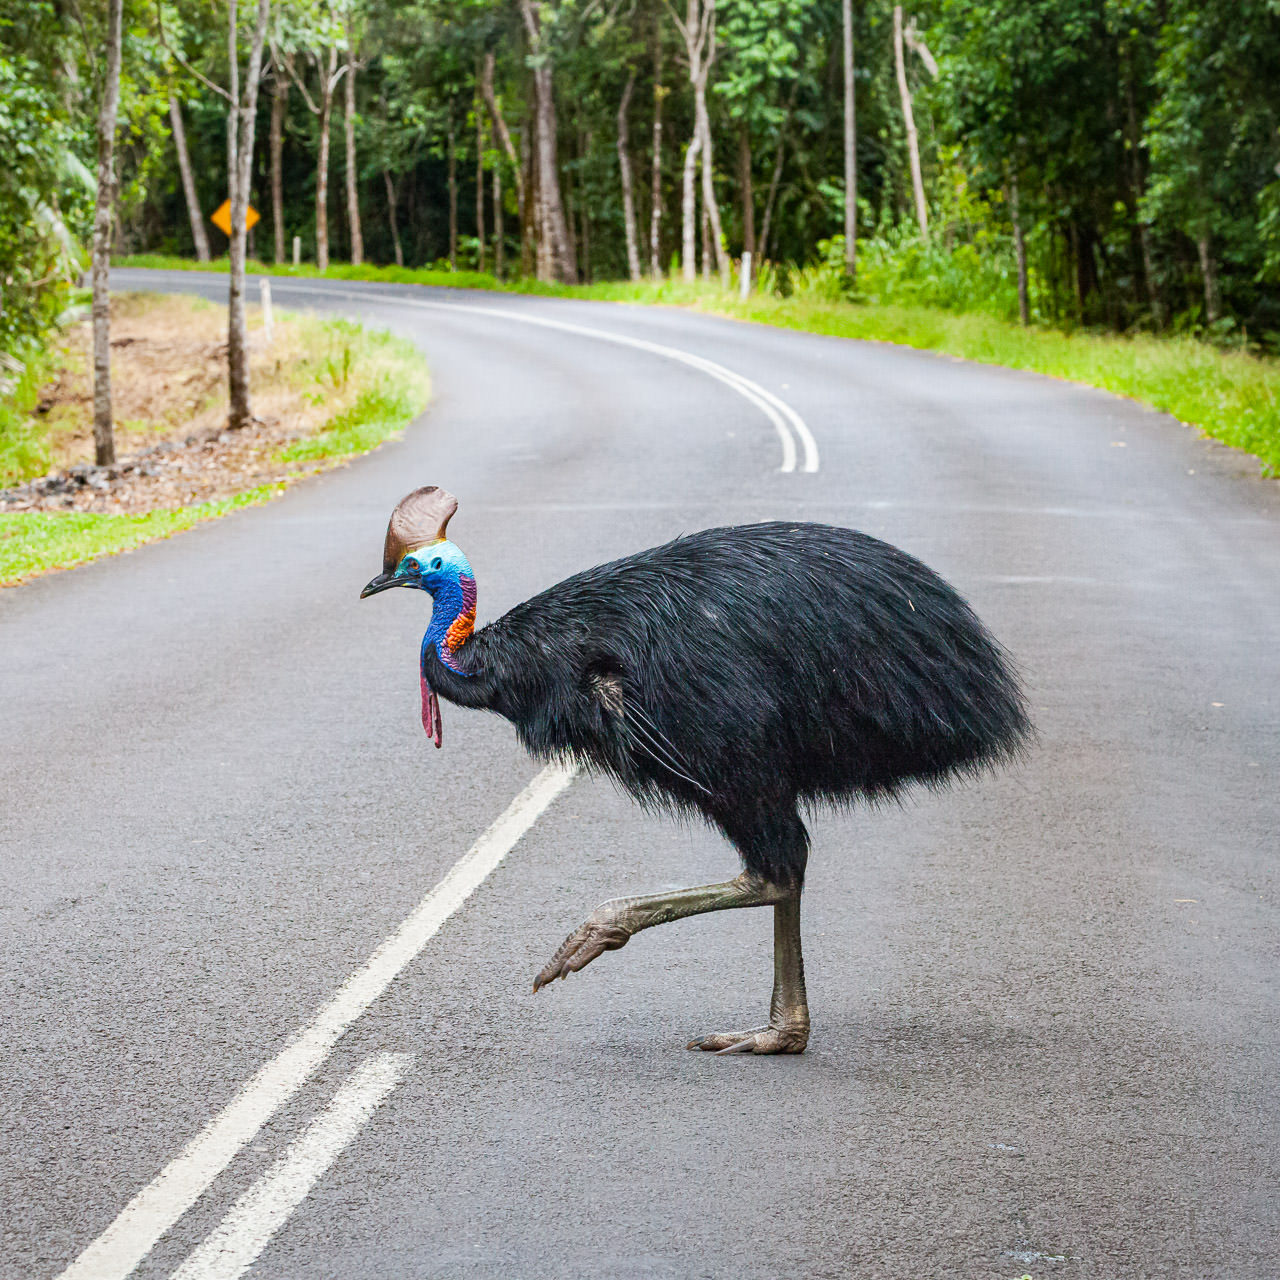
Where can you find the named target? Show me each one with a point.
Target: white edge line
(235, 1243)
(141, 1223)
(781, 414)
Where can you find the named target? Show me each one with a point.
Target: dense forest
(1109, 163)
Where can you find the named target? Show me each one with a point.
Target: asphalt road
(1046, 1024)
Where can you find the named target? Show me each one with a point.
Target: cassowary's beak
(385, 580)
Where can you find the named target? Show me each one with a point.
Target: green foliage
(45, 188)
(24, 447)
(376, 415)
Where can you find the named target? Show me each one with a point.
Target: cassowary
(739, 673)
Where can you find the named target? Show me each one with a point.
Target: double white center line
(253, 1220)
(798, 445)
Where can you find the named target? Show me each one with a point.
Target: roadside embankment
(322, 392)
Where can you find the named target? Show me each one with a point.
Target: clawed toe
(761, 1040)
(580, 948)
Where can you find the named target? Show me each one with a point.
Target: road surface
(1046, 1024)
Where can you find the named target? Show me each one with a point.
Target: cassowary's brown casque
(418, 520)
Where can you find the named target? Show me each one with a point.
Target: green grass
(391, 385)
(1230, 395)
(34, 542)
(376, 414)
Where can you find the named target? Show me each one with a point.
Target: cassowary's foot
(599, 933)
(780, 1039)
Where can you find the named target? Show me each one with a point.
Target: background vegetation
(335, 388)
(1125, 154)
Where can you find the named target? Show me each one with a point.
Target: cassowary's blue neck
(453, 617)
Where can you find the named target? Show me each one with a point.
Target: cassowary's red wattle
(739, 673)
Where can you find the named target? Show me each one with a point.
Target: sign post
(265, 286)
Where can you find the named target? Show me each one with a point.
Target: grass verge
(34, 542)
(1232, 396)
(340, 390)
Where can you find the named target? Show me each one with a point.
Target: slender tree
(451, 160)
(655, 195)
(908, 117)
(850, 148)
(240, 129)
(241, 97)
(698, 30)
(775, 178)
(198, 234)
(503, 135)
(391, 217)
(349, 126)
(324, 58)
(555, 247)
(624, 167)
(279, 108)
(479, 115)
(1019, 247)
(499, 235)
(104, 444)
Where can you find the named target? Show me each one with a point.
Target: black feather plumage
(742, 673)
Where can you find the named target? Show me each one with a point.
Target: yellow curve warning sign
(221, 217)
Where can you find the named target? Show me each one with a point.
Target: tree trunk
(699, 33)
(913, 144)
(499, 235)
(708, 186)
(1020, 250)
(322, 165)
(1209, 271)
(279, 103)
(504, 135)
(104, 444)
(391, 216)
(349, 120)
(706, 242)
(539, 246)
(452, 153)
(776, 176)
(584, 240)
(479, 186)
(655, 208)
(624, 166)
(198, 234)
(850, 149)
(528, 227)
(748, 195)
(718, 250)
(240, 128)
(689, 211)
(557, 256)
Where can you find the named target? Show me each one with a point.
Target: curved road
(1046, 1016)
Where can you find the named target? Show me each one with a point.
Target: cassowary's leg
(612, 924)
(788, 1029)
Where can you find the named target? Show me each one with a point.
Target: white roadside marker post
(265, 286)
(297, 250)
(744, 276)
